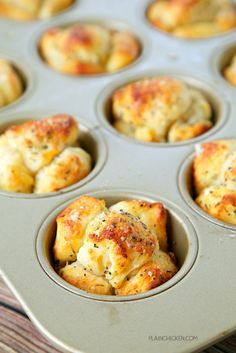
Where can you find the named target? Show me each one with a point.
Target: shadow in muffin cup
(181, 234)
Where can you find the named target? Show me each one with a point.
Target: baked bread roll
(230, 71)
(193, 18)
(32, 9)
(214, 177)
(88, 49)
(160, 109)
(70, 166)
(112, 246)
(11, 85)
(14, 176)
(115, 245)
(41, 155)
(41, 141)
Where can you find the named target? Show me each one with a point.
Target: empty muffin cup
(182, 241)
(104, 107)
(97, 47)
(90, 140)
(186, 188)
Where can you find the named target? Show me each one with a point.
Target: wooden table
(18, 335)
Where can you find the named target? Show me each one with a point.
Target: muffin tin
(197, 306)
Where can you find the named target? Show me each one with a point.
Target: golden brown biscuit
(113, 246)
(79, 277)
(153, 215)
(11, 85)
(41, 141)
(219, 202)
(193, 18)
(151, 275)
(116, 244)
(71, 226)
(161, 109)
(209, 161)
(69, 167)
(14, 176)
(32, 9)
(228, 171)
(88, 49)
(230, 71)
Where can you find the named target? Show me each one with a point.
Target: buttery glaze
(160, 109)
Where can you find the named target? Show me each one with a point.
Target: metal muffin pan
(182, 316)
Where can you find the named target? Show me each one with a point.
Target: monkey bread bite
(113, 250)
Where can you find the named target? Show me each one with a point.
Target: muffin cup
(219, 106)
(181, 235)
(91, 140)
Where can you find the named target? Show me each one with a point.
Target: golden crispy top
(40, 141)
(125, 231)
(88, 49)
(111, 243)
(154, 215)
(193, 18)
(160, 109)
